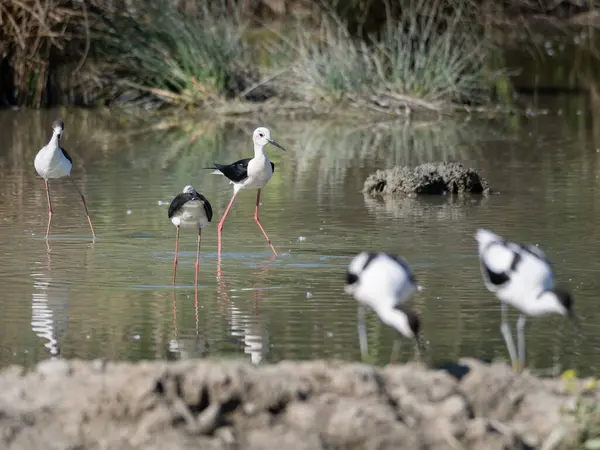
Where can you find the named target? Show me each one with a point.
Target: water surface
(113, 298)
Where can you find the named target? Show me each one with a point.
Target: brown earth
(437, 178)
(314, 405)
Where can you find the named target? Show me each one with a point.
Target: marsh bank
(297, 405)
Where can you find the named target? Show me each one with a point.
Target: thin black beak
(276, 145)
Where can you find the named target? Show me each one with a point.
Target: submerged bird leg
(258, 222)
(196, 306)
(85, 208)
(220, 227)
(418, 346)
(49, 209)
(521, 340)
(176, 252)
(505, 330)
(396, 346)
(362, 332)
(175, 312)
(198, 256)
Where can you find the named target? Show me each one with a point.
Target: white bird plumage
(383, 283)
(520, 276)
(191, 210)
(249, 173)
(51, 162)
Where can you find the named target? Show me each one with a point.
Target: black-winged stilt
(52, 161)
(383, 283)
(520, 276)
(249, 173)
(189, 210)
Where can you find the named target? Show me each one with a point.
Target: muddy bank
(294, 405)
(429, 178)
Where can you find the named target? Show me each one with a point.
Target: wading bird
(52, 161)
(249, 173)
(520, 276)
(383, 283)
(193, 211)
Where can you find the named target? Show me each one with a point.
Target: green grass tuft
(429, 58)
(176, 58)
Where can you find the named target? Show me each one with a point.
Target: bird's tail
(485, 237)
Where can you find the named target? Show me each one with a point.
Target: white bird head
(58, 127)
(262, 137)
(189, 189)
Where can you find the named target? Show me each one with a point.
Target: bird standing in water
(249, 173)
(193, 211)
(383, 283)
(520, 276)
(52, 161)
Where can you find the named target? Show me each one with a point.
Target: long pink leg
(198, 256)
(175, 312)
(220, 227)
(260, 226)
(87, 213)
(49, 209)
(176, 252)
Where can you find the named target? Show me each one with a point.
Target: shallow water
(113, 298)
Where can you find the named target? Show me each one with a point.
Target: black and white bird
(52, 161)
(249, 173)
(383, 283)
(189, 210)
(520, 276)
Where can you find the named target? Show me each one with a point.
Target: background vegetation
(240, 55)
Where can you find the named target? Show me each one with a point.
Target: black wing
(273, 167)
(499, 278)
(207, 207)
(401, 262)
(178, 202)
(236, 172)
(535, 252)
(495, 278)
(370, 257)
(66, 155)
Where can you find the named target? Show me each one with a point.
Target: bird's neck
(259, 151)
(396, 319)
(54, 143)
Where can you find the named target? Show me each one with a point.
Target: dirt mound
(430, 178)
(291, 405)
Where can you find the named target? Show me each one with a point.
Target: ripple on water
(114, 298)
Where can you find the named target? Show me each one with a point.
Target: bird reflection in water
(186, 347)
(50, 302)
(249, 327)
(47, 299)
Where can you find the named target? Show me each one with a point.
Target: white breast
(50, 163)
(259, 172)
(191, 215)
